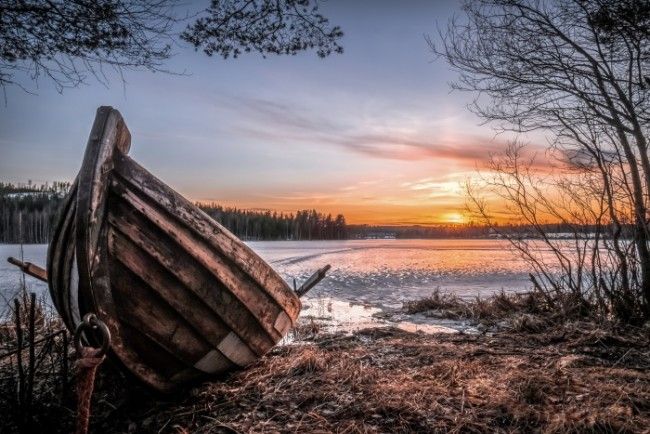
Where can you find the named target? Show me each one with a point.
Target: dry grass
(575, 378)
(34, 385)
(528, 311)
(572, 377)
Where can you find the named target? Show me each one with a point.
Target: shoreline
(575, 377)
(526, 372)
(486, 238)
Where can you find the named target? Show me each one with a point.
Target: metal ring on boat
(91, 323)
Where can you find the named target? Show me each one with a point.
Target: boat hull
(182, 297)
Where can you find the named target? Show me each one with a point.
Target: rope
(86, 366)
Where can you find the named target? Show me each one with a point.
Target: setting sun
(453, 217)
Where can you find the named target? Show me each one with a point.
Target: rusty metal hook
(90, 323)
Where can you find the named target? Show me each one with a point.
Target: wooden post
(19, 357)
(29, 268)
(32, 354)
(313, 280)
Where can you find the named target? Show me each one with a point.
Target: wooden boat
(181, 296)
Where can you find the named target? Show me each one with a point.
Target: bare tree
(578, 71)
(268, 27)
(69, 41)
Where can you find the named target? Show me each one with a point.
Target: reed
(34, 374)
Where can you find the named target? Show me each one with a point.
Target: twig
(32, 354)
(19, 358)
(17, 350)
(64, 364)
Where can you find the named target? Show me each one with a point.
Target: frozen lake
(388, 272)
(380, 273)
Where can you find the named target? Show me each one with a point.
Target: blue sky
(373, 133)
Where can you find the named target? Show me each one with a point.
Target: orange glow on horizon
(423, 214)
(397, 197)
(453, 217)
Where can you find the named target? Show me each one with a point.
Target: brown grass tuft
(568, 377)
(523, 311)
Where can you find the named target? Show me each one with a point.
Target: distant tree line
(270, 225)
(28, 212)
(476, 230)
(418, 231)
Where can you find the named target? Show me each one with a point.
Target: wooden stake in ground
(19, 357)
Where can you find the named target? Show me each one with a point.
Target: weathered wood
(240, 285)
(313, 280)
(60, 256)
(158, 281)
(29, 268)
(181, 296)
(156, 360)
(219, 237)
(155, 319)
(108, 137)
(202, 287)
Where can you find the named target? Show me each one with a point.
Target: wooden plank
(107, 135)
(91, 198)
(236, 351)
(263, 308)
(56, 248)
(29, 269)
(140, 307)
(191, 275)
(219, 237)
(65, 268)
(213, 362)
(187, 306)
(313, 280)
(156, 358)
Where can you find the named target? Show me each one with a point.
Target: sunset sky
(373, 133)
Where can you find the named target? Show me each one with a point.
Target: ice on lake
(388, 272)
(371, 273)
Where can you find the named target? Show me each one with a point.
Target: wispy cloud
(276, 121)
(398, 147)
(280, 114)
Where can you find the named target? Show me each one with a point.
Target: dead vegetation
(34, 365)
(570, 376)
(528, 311)
(575, 378)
